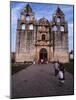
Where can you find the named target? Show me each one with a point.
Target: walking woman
(61, 74)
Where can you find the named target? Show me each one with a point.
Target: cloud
(70, 36)
(68, 11)
(16, 8)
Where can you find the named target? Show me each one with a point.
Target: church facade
(41, 39)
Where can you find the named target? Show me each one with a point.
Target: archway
(43, 37)
(43, 54)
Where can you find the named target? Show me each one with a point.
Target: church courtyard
(38, 80)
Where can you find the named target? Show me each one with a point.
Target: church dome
(43, 21)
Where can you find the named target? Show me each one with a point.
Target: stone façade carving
(33, 36)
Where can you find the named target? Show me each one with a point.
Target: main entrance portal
(43, 54)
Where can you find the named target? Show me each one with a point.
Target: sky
(40, 10)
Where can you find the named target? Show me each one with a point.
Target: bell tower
(25, 35)
(59, 32)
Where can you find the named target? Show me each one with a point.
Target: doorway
(43, 54)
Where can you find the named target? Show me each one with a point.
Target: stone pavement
(39, 80)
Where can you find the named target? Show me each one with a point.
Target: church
(41, 39)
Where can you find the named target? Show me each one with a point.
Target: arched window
(62, 28)
(54, 28)
(27, 18)
(31, 26)
(58, 19)
(23, 26)
(43, 37)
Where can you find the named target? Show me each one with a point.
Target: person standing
(56, 67)
(34, 62)
(42, 61)
(61, 74)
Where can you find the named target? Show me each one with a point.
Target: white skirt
(60, 75)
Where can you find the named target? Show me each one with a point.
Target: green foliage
(18, 67)
(69, 67)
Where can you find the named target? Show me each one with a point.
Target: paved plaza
(39, 80)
